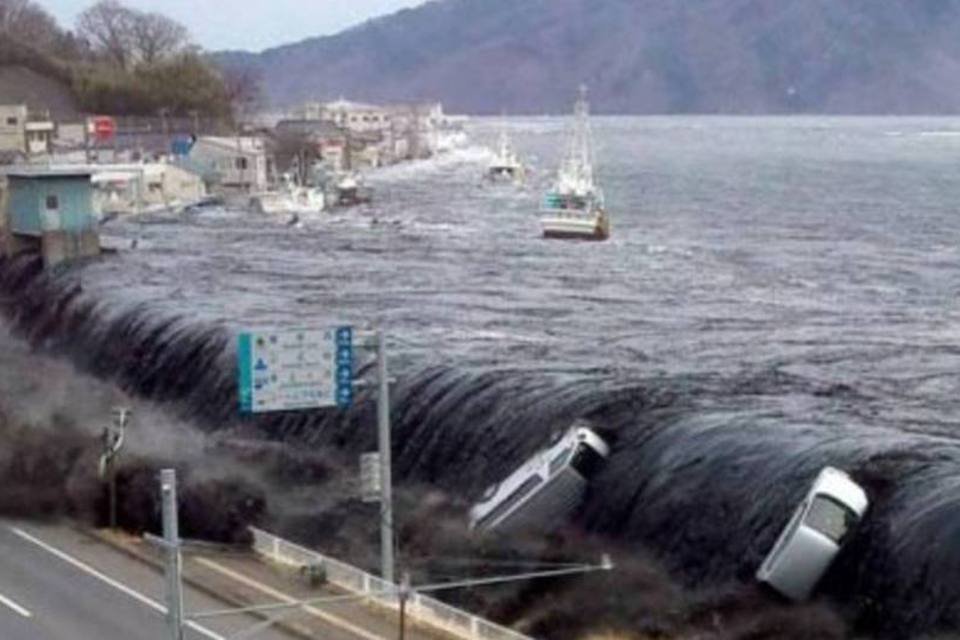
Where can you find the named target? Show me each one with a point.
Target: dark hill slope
(739, 56)
(41, 92)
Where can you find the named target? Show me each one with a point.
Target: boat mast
(579, 164)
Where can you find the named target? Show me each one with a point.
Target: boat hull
(576, 228)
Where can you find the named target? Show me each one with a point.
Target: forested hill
(638, 56)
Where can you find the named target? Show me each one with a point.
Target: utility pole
(386, 480)
(113, 437)
(171, 543)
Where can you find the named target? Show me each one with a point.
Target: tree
(128, 37)
(155, 36)
(25, 22)
(108, 27)
(244, 87)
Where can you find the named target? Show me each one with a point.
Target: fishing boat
(574, 208)
(291, 197)
(506, 165)
(348, 190)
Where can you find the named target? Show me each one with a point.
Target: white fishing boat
(574, 208)
(290, 198)
(506, 165)
(348, 190)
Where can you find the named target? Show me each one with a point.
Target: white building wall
(13, 120)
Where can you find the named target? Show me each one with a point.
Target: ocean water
(778, 295)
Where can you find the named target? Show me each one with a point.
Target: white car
(811, 540)
(545, 489)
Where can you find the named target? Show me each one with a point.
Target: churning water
(778, 295)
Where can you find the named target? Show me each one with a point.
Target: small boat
(574, 208)
(291, 197)
(349, 191)
(506, 165)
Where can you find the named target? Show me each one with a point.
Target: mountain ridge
(638, 56)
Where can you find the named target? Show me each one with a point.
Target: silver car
(811, 540)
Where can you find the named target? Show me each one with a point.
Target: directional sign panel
(370, 483)
(292, 369)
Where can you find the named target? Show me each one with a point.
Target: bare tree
(127, 36)
(26, 22)
(156, 36)
(108, 27)
(243, 87)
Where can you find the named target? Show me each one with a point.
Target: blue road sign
(293, 369)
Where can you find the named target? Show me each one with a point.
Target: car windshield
(831, 518)
(559, 460)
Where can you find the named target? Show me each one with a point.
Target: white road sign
(370, 477)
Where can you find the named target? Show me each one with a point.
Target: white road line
(136, 595)
(10, 604)
(283, 597)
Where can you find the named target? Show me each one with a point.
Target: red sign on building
(102, 128)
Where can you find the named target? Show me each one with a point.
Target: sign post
(171, 539)
(383, 440)
(295, 369)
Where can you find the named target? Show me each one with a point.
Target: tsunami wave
(694, 476)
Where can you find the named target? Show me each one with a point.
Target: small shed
(50, 210)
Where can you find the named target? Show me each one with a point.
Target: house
(241, 163)
(23, 133)
(50, 210)
(40, 135)
(132, 188)
(322, 139)
(355, 117)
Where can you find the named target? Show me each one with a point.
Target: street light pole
(386, 480)
(171, 537)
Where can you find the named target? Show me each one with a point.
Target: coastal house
(13, 120)
(355, 117)
(136, 187)
(240, 163)
(23, 133)
(50, 211)
(324, 140)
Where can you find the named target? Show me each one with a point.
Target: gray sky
(249, 24)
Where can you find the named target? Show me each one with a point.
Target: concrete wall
(29, 214)
(58, 247)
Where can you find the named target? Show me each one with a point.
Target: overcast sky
(249, 24)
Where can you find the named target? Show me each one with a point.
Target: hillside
(20, 85)
(639, 56)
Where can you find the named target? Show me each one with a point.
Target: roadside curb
(291, 628)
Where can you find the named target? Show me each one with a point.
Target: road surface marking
(136, 595)
(10, 604)
(283, 597)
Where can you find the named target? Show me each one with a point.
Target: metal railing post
(171, 537)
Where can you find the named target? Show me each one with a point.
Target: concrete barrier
(422, 608)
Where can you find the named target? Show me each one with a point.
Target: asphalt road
(57, 585)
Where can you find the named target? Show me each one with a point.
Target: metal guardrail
(423, 608)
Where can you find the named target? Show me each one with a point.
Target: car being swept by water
(815, 534)
(546, 488)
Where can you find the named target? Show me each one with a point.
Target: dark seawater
(778, 294)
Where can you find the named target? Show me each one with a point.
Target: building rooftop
(41, 172)
(243, 144)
